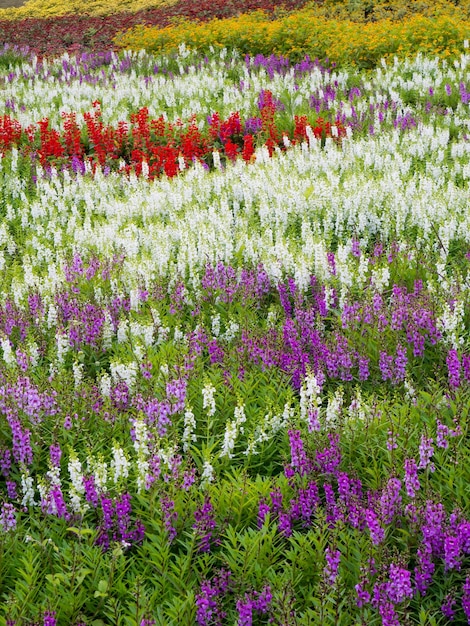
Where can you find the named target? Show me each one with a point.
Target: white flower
(119, 464)
(216, 325)
(108, 331)
(126, 372)
(28, 490)
(189, 428)
(99, 469)
(77, 373)
(208, 400)
(77, 488)
(333, 409)
(231, 432)
(231, 331)
(63, 346)
(8, 354)
(123, 331)
(208, 474)
(105, 385)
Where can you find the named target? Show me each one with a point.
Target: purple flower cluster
(412, 483)
(7, 517)
(205, 525)
(254, 602)
(49, 618)
(169, 517)
(208, 601)
(300, 463)
(116, 524)
(330, 571)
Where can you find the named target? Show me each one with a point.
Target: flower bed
(341, 41)
(234, 347)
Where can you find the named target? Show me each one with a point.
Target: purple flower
(59, 502)
(452, 557)
(55, 454)
(333, 512)
(363, 596)
(401, 361)
(424, 570)
(377, 533)
(204, 525)
(22, 451)
(356, 248)
(253, 125)
(432, 527)
(5, 461)
(330, 457)
(206, 605)
(363, 365)
(49, 618)
(263, 599)
(263, 511)
(442, 433)
(412, 484)
(453, 368)
(399, 584)
(169, 517)
(426, 450)
(285, 524)
(299, 459)
(392, 441)
(245, 612)
(390, 500)
(208, 611)
(7, 517)
(330, 571)
(11, 489)
(276, 500)
(466, 598)
(386, 366)
(448, 607)
(254, 601)
(91, 495)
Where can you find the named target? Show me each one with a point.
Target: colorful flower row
(401, 27)
(236, 395)
(188, 387)
(50, 29)
(343, 42)
(153, 146)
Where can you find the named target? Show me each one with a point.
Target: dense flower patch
(57, 8)
(234, 341)
(154, 146)
(85, 32)
(392, 27)
(342, 41)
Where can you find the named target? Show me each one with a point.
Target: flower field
(234, 321)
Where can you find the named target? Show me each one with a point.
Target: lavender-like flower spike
(330, 571)
(204, 525)
(412, 483)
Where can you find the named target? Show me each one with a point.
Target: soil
(8, 4)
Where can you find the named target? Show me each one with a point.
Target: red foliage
(83, 33)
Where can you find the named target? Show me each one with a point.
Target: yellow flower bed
(395, 10)
(304, 32)
(56, 8)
